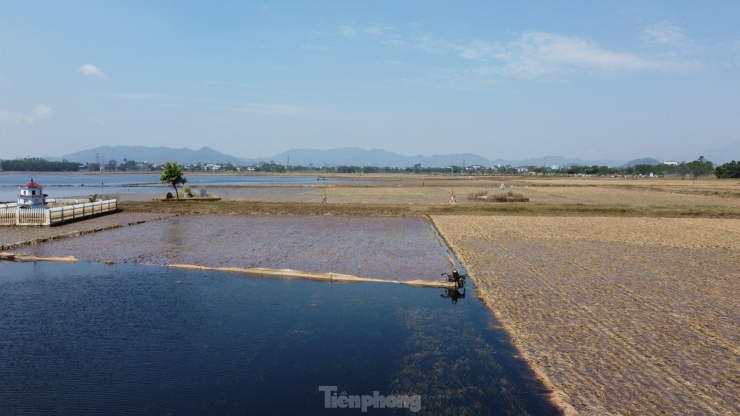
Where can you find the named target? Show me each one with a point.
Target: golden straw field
(617, 315)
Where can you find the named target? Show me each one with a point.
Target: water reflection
(454, 294)
(173, 236)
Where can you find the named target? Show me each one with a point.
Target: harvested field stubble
(621, 315)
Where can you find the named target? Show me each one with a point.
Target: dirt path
(620, 315)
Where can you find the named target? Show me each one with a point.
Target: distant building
(31, 195)
(671, 163)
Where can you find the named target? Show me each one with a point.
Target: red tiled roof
(32, 185)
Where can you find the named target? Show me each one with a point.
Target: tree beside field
(700, 167)
(173, 175)
(728, 170)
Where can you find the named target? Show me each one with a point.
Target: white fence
(59, 202)
(31, 216)
(8, 215)
(13, 215)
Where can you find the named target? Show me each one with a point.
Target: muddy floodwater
(90, 338)
(386, 248)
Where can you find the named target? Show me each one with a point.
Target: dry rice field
(616, 315)
(436, 191)
(631, 192)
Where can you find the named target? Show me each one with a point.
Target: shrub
(497, 197)
(478, 195)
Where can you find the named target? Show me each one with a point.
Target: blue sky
(516, 79)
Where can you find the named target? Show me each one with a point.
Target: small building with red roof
(31, 195)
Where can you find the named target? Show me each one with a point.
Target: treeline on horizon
(698, 168)
(39, 165)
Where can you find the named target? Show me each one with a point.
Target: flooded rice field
(615, 315)
(11, 237)
(387, 248)
(90, 338)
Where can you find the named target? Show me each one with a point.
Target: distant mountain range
(717, 156)
(643, 161)
(352, 156)
(104, 154)
(377, 157)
